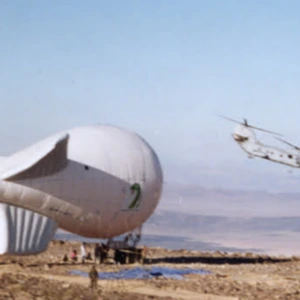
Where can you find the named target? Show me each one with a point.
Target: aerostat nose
(243, 133)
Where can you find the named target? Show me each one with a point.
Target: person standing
(93, 274)
(83, 252)
(97, 253)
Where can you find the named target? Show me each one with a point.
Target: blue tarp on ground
(145, 273)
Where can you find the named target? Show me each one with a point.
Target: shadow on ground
(216, 260)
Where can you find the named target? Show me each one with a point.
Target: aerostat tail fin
(42, 159)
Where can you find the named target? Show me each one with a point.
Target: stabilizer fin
(24, 232)
(42, 159)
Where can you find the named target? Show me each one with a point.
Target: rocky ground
(234, 276)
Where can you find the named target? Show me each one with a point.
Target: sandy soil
(234, 276)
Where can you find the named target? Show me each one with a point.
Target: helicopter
(244, 135)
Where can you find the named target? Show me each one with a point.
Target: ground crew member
(97, 253)
(93, 274)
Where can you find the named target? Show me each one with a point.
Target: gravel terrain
(233, 276)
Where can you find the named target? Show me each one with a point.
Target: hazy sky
(161, 68)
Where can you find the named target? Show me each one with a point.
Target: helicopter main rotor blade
(265, 130)
(234, 121)
(250, 126)
(283, 141)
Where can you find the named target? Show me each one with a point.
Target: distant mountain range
(191, 224)
(197, 200)
(193, 217)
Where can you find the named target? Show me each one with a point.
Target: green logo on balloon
(134, 203)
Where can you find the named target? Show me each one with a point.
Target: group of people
(100, 253)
